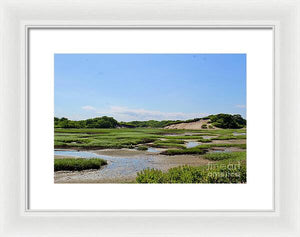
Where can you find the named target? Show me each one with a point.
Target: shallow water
(223, 150)
(116, 167)
(208, 137)
(238, 134)
(82, 154)
(191, 144)
(219, 151)
(121, 168)
(151, 149)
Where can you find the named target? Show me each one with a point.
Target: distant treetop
(227, 120)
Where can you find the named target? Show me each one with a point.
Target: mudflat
(120, 172)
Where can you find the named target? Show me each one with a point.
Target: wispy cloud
(128, 114)
(241, 106)
(89, 108)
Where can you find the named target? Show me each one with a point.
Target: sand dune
(191, 125)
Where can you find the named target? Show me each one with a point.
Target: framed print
(159, 122)
(131, 115)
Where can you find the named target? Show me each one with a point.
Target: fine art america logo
(224, 170)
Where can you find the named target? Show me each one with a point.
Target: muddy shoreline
(125, 172)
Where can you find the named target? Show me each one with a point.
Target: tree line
(219, 120)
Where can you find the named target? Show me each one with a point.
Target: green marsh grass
(78, 164)
(185, 151)
(133, 137)
(207, 146)
(199, 150)
(229, 170)
(223, 173)
(204, 140)
(167, 145)
(224, 156)
(230, 137)
(142, 148)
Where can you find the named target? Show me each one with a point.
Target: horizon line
(147, 119)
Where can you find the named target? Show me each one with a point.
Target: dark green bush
(100, 122)
(227, 121)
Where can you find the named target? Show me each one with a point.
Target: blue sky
(149, 86)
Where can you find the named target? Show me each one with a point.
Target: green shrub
(100, 122)
(218, 173)
(77, 164)
(204, 126)
(210, 126)
(150, 176)
(227, 121)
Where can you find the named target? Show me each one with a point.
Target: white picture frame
(15, 17)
